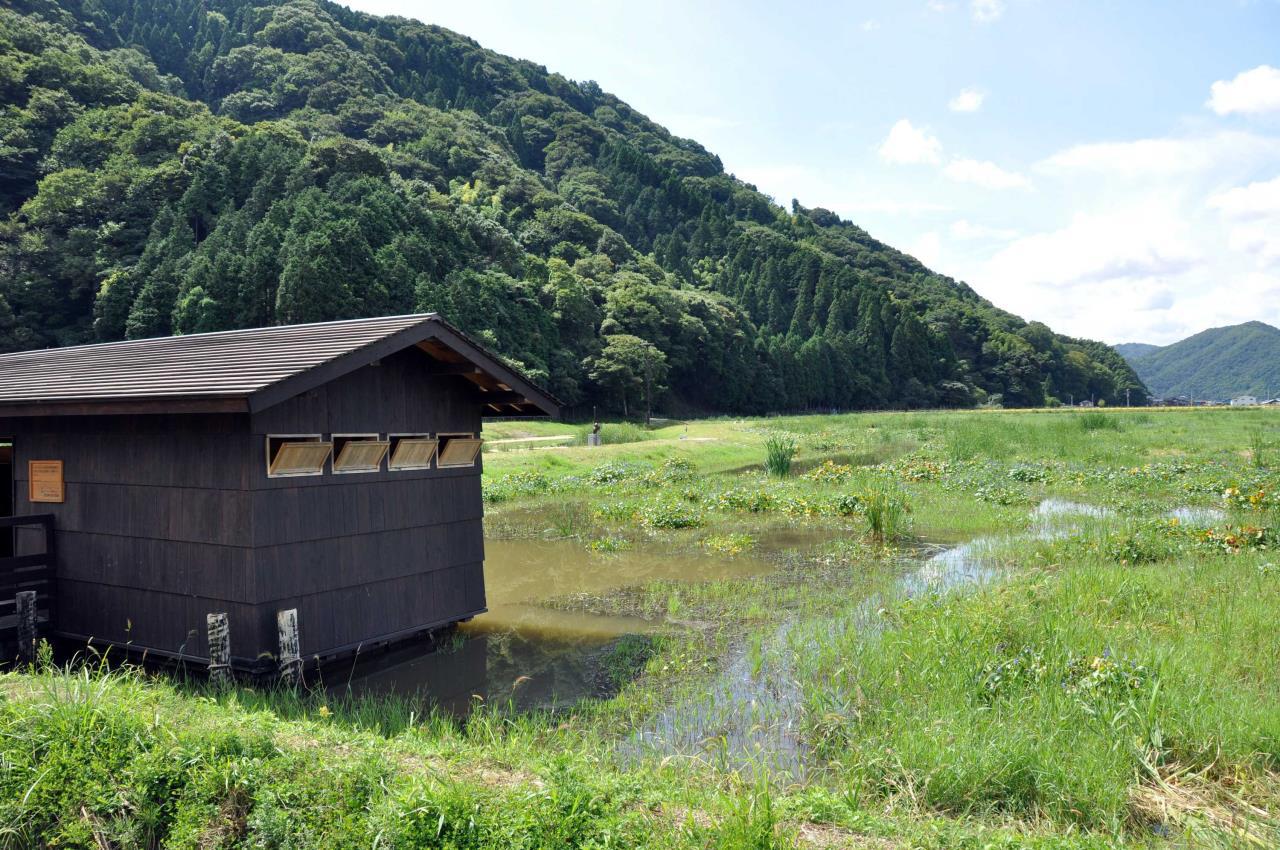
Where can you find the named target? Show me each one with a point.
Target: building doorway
(6, 495)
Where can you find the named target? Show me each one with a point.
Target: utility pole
(648, 390)
(1126, 396)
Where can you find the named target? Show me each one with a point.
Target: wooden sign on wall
(44, 481)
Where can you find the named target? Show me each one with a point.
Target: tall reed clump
(780, 450)
(615, 433)
(1096, 420)
(1259, 449)
(886, 510)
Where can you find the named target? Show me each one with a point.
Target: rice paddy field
(1051, 629)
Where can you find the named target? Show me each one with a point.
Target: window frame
(441, 441)
(362, 438)
(295, 438)
(415, 435)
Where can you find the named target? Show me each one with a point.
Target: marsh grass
(617, 433)
(1096, 420)
(1113, 687)
(779, 450)
(887, 512)
(1262, 452)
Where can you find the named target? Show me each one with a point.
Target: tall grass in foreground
(102, 758)
(1102, 696)
(780, 450)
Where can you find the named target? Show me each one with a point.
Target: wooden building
(330, 468)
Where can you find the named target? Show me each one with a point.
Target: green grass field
(1111, 680)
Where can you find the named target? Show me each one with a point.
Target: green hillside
(1219, 363)
(1130, 350)
(208, 164)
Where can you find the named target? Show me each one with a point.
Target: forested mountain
(1130, 350)
(1216, 364)
(189, 165)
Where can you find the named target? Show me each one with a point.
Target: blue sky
(1109, 168)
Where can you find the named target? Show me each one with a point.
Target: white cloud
(939, 6)
(1255, 211)
(1256, 200)
(927, 249)
(986, 11)
(1144, 241)
(1147, 270)
(967, 230)
(1163, 157)
(968, 100)
(1251, 92)
(870, 25)
(908, 144)
(985, 174)
(1262, 241)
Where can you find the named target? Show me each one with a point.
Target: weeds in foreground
(752, 823)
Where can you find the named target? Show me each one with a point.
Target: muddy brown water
(526, 654)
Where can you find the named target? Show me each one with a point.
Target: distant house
(328, 469)
(1244, 401)
(1085, 403)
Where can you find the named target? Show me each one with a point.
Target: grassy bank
(1110, 682)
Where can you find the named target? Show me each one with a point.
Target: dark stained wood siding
(156, 529)
(169, 517)
(367, 555)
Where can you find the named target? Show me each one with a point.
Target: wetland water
(531, 654)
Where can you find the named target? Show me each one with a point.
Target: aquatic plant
(669, 515)
(829, 472)
(612, 472)
(886, 510)
(515, 485)
(673, 470)
(780, 450)
(728, 544)
(610, 543)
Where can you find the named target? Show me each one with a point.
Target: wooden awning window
(297, 454)
(412, 451)
(458, 450)
(358, 452)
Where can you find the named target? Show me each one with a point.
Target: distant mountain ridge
(1218, 363)
(1130, 350)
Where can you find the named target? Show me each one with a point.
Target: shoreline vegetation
(982, 629)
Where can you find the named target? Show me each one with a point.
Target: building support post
(25, 602)
(219, 649)
(290, 655)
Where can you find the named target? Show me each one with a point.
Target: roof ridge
(227, 333)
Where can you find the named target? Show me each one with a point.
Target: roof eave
(431, 327)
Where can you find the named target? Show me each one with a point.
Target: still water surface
(523, 652)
